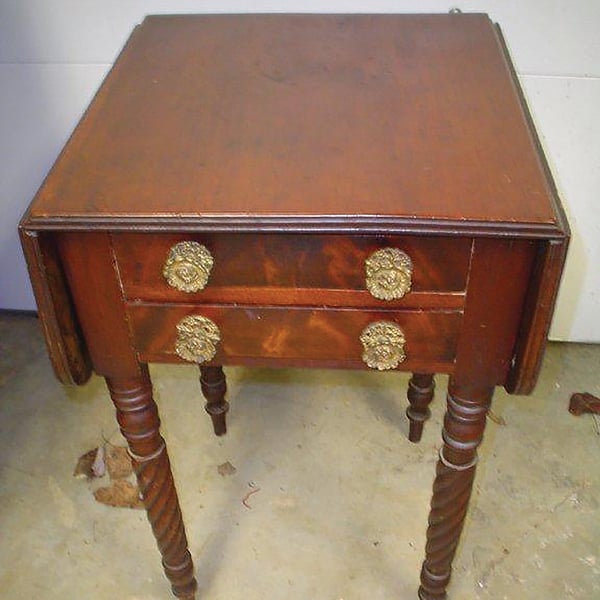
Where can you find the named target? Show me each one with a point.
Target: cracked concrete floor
(343, 496)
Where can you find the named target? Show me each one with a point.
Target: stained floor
(342, 496)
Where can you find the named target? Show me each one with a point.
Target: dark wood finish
(421, 388)
(290, 108)
(498, 282)
(66, 348)
(537, 317)
(94, 284)
(543, 289)
(584, 403)
(463, 431)
(214, 387)
(292, 147)
(291, 262)
(268, 335)
(137, 415)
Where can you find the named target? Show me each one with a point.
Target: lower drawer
(282, 336)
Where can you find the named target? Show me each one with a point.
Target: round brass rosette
(383, 345)
(188, 266)
(197, 339)
(388, 274)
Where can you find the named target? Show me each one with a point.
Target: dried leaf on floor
(226, 469)
(91, 464)
(121, 494)
(118, 462)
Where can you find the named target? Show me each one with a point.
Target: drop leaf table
(361, 192)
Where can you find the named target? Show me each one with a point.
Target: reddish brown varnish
(421, 388)
(272, 336)
(247, 263)
(293, 146)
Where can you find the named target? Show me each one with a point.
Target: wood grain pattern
(137, 415)
(94, 284)
(537, 317)
(498, 282)
(93, 281)
(256, 262)
(355, 117)
(293, 146)
(66, 346)
(270, 335)
(464, 424)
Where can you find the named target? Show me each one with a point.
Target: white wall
(53, 56)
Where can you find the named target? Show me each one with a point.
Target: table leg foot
(463, 431)
(214, 386)
(420, 394)
(138, 417)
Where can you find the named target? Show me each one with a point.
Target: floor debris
(121, 493)
(226, 469)
(91, 464)
(118, 462)
(247, 496)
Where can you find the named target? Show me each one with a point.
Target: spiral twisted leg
(214, 386)
(138, 417)
(463, 432)
(420, 394)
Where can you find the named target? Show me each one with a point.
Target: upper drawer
(262, 267)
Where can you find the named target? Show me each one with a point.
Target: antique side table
(362, 192)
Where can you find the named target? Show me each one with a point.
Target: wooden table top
(308, 122)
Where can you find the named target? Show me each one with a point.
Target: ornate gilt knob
(188, 266)
(197, 339)
(389, 273)
(383, 345)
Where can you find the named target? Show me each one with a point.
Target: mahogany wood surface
(463, 431)
(421, 388)
(214, 387)
(537, 316)
(137, 415)
(274, 334)
(293, 146)
(67, 349)
(98, 301)
(498, 283)
(346, 118)
(289, 261)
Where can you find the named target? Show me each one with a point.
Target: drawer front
(245, 267)
(297, 336)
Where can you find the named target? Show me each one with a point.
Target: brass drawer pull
(388, 274)
(383, 345)
(188, 266)
(197, 339)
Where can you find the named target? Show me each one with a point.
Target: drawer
(289, 268)
(297, 336)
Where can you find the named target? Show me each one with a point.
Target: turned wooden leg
(420, 394)
(463, 431)
(214, 386)
(138, 417)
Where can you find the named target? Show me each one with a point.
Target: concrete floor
(343, 497)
